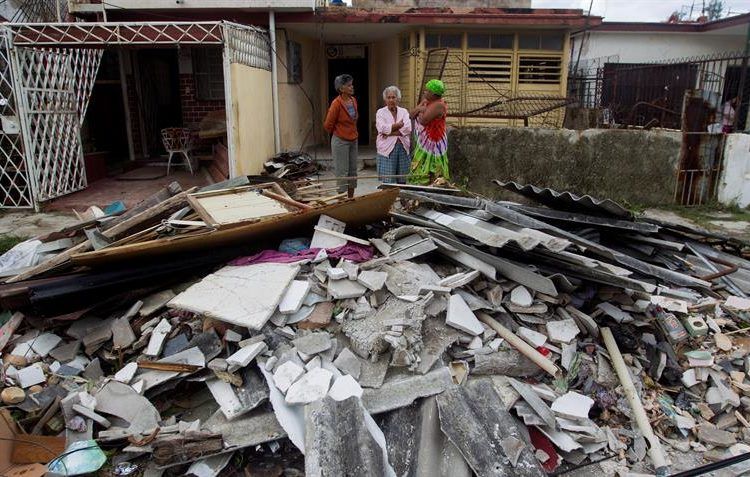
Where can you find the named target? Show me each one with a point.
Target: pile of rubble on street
(281, 329)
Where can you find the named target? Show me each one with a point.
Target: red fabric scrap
(542, 442)
(351, 251)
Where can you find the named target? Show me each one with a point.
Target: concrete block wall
(635, 167)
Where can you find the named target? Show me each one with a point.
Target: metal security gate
(55, 85)
(15, 187)
(47, 73)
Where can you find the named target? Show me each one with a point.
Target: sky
(638, 10)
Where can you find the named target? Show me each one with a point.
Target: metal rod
(274, 81)
(126, 104)
(655, 451)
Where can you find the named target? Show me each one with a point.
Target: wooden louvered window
(539, 69)
(488, 68)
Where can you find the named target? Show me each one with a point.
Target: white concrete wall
(643, 47)
(734, 186)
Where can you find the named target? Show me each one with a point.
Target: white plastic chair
(178, 141)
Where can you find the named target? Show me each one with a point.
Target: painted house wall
(385, 73)
(300, 124)
(734, 186)
(252, 111)
(645, 47)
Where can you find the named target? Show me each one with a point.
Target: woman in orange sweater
(341, 123)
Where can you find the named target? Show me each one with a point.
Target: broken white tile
(475, 343)
(45, 343)
(320, 256)
(29, 376)
(286, 332)
(345, 387)
(224, 395)
(348, 363)
(286, 374)
(670, 304)
(316, 362)
(520, 296)
(532, 337)
(155, 302)
(352, 269)
(312, 386)
(313, 343)
(245, 296)
(321, 239)
(343, 289)
(125, 375)
(232, 336)
(461, 317)
(562, 331)
(737, 303)
(572, 405)
(245, 355)
(158, 336)
(568, 354)
(688, 378)
(302, 314)
(336, 273)
(209, 467)
(372, 279)
(292, 300)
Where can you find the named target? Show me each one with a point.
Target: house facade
(255, 77)
(496, 46)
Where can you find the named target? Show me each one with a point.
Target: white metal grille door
(52, 125)
(15, 189)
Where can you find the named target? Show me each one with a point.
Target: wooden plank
(111, 233)
(173, 188)
(358, 211)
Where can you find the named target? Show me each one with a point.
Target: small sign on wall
(10, 124)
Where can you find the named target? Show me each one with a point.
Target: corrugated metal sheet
(567, 200)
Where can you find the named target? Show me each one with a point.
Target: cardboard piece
(19, 459)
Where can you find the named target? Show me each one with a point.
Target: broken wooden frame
(358, 211)
(239, 205)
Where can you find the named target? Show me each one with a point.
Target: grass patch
(704, 214)
(7, 242)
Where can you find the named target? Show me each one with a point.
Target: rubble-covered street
(274, 329)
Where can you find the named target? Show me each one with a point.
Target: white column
(274, 82)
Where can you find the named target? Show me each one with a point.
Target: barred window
(208, 73)
(539, 69)
(490, 68)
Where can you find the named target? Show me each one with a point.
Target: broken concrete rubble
(512, 307)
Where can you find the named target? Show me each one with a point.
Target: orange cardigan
(339, 123)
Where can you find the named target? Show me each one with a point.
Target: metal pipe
(655, 451)
(274, 82)
(126, 104)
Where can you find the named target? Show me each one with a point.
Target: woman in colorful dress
(430, 159)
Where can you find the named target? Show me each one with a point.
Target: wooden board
(228, 209)
(358, 211)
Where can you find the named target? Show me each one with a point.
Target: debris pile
(453, 335)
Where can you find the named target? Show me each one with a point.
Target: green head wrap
(435, 87)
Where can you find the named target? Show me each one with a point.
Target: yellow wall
(296, 114)
(252, 109)
(465, 95)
